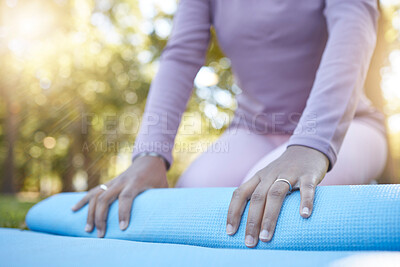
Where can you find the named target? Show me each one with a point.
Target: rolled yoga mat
(362, 217)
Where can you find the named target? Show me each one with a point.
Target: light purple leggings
(239, 153)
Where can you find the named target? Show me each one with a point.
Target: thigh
(227, 167)
(362, 156)
(267, 158)
(361, 159)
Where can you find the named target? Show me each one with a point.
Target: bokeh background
(74, 76)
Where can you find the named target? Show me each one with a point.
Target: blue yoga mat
(26, 248)
(363, 217)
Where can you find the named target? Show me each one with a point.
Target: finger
(90, 218)
(238, 203)
(102, 205)
(82, 202)
(307, 193)
(256, 211)
(125, 201)
(87, 197)
(275, 197)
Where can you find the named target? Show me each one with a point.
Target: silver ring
(104, 187)
(286, 181)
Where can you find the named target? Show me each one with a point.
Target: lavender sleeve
(340, 77)
(180, 60)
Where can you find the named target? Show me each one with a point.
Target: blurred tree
(81, 83)
(10, 135)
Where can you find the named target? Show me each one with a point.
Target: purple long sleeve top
(301, 66)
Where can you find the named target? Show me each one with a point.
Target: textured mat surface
(26, 248)
(363, 217)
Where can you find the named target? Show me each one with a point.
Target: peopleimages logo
(194, 123)
(179, 147)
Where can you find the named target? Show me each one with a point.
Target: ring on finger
(285, 181)
(103, 187)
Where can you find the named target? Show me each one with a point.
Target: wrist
(304, 150)
(152, 154)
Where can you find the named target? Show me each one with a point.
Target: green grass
(13, 211)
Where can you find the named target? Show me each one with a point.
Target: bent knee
(198, 175)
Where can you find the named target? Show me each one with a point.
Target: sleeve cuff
(161, 148)
(316, 143)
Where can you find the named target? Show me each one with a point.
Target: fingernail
(100, 233)
(249, 240)
(88, 228)
(122, 225)
(264, 235)
(73, 208)
(229, 229)
(305, 211)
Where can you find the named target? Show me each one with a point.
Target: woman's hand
(144, 173)
(299, 165)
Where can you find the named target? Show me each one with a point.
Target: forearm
(339, 80)
(171, 88)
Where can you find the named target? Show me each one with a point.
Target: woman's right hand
(144, 173)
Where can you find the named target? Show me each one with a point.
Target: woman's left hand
(299, 165)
